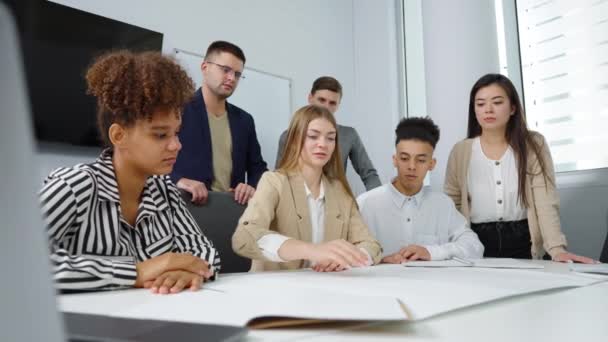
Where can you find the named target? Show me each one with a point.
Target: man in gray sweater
(327, 92)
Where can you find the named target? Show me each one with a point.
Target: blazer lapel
(334, 222)
(296, 183)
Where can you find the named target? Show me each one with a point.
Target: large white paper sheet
(236, 306)
(369, 293)
(425, 292)
(590, 268)
(484, 263)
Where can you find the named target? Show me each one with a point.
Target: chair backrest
(604, 255)
(218, 219)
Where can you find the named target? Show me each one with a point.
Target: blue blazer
(195, 160)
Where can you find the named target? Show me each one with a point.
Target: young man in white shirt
(412, 222)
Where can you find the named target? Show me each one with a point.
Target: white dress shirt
(270, 243)
(493, 187)
(428, 219)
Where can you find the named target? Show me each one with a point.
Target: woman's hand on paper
(174, 282)
(336, 255)
(571, 257)
(153, 268)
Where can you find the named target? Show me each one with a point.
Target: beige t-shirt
(221, 151)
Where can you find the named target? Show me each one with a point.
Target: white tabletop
(560, 306)
(558, 315)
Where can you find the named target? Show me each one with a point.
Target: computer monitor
(28, 305)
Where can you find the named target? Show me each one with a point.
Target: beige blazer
(279, 205)
(543, 207)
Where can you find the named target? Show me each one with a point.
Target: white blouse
(493, 187)
(270, 243)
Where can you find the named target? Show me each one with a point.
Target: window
(564, 64)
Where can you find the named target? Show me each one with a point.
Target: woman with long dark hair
(502, 179)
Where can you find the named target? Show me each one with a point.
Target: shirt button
(499, 201)
(500, 219)
(497, 163)
(245, 223)
(408, 219)
(498, 182)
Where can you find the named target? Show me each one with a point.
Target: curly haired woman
(119, 221)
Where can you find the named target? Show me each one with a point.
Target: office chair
(604, 255)
(218, 219)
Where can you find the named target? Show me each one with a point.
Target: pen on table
(206, 288)
(464, 261)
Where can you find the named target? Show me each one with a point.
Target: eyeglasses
(228, 70)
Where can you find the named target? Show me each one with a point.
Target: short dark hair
(326, 83)
(223, 46)
(417, 128)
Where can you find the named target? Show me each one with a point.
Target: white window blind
(564, 58)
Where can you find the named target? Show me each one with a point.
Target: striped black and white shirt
(93, 247)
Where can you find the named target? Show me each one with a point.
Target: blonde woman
(304, 213)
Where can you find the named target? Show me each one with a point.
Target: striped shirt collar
(152, 199)
(400, 199)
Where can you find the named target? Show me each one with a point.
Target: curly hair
(130, 86)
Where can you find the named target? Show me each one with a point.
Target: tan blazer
(279, 205)
(543, 207)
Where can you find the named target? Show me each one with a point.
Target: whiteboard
(267, 97)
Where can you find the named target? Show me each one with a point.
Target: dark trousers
(505, 239)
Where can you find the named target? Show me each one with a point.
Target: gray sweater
(351, 147)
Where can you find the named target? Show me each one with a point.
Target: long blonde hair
(296, 134)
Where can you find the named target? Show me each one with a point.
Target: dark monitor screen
(59, 43)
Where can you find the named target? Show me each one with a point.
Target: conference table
(577, 314)
(561, 314)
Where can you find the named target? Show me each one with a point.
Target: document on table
(484, 263)
(236, 304)
(590, 268)
(383, 292)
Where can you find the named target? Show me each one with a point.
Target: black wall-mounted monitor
(59, 43)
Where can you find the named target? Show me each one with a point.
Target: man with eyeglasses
(219, 143)
(327, 92)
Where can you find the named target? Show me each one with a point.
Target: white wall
(376, 95)
(459, 47)
(299, 39)
(352, 40)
